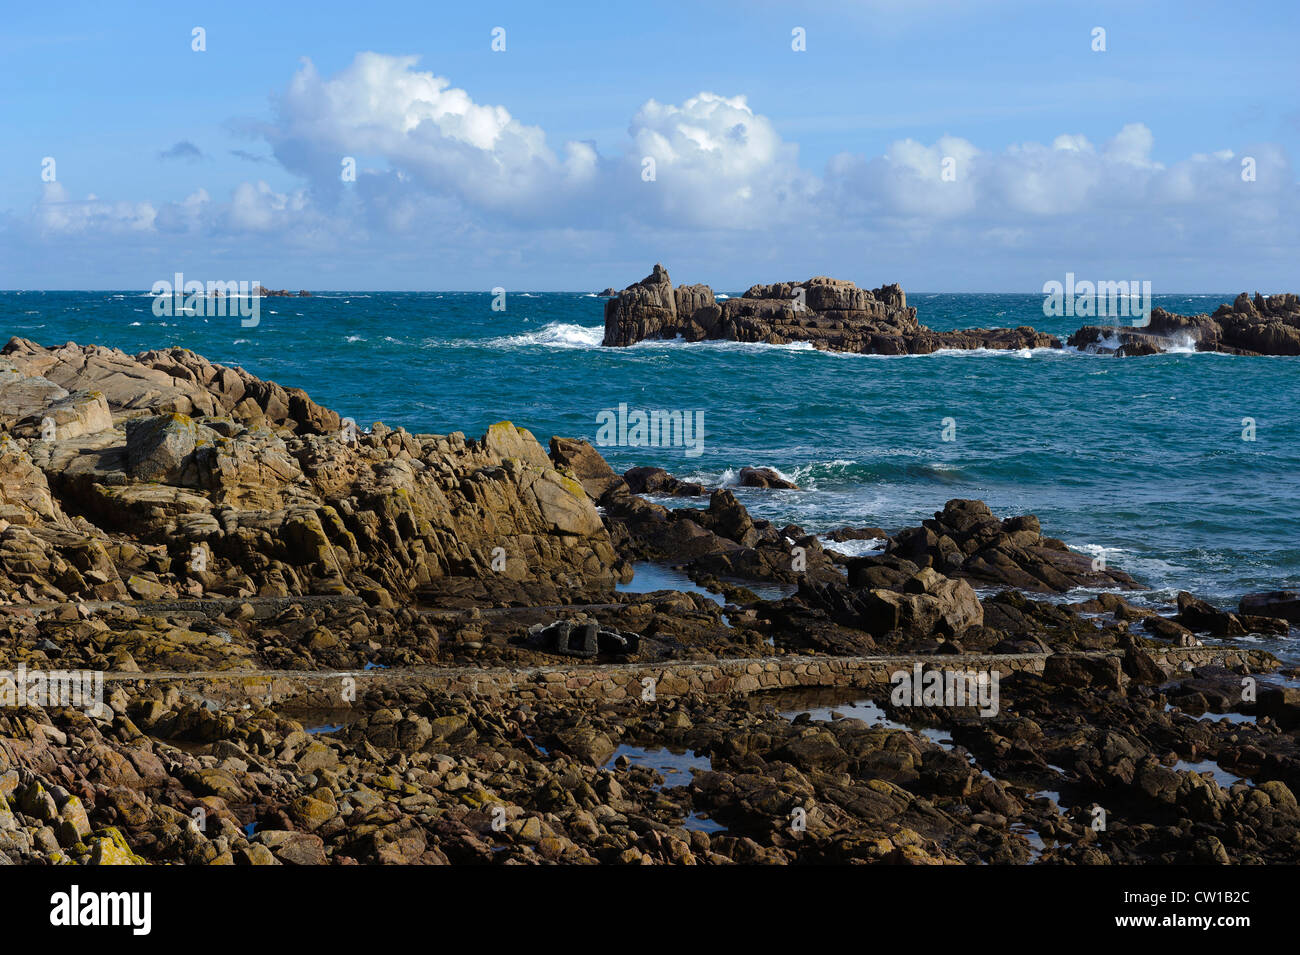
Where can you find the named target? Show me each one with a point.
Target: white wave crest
(854, 548)
(555, 335)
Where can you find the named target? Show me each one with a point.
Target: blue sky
(525, 168)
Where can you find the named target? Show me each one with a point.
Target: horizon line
(582, 292)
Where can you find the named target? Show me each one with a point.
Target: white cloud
(435, 168)
(421, 125)
(717, 163)
(58, 214)
(258, 207)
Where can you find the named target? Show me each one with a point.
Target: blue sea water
(1140, 459)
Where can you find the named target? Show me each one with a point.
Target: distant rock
(841, 534)
(1264, 325)
(830, 314)
(657, 481)
(265, 292)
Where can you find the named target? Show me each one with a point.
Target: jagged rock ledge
(162, 475)
(831, 314)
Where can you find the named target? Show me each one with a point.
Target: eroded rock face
(831, 314)
(1264, 325)
(192, 478)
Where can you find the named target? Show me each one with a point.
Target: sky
(984, 145)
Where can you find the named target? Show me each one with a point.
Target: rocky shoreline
(836, 315)
(320, 644)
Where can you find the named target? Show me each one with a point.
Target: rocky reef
(831, 314)
(1264, 325)
(836, 315)
(318, 644)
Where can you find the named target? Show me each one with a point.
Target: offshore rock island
(829, 313)
(836, 315)
(328, 646)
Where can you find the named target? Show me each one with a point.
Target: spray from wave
(554, 335)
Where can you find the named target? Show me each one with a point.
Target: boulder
(158, 447)
(1274, 603)
(586, 465)
(765, 478)
(71, 416)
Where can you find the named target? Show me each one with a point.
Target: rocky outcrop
(830, 314)
(927, 604)
(723, 540)
(836, 315)
(265, 292)
(965, 539)
(1264, 325)
(161, 474)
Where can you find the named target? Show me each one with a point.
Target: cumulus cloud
(433, 164)
(716, 162)
(1030, 185)
(422, 128)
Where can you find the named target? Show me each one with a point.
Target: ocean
(1141, 460)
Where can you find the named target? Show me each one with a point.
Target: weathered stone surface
(69, 417)
(586, 465)
(247, 487)
(157, 447)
